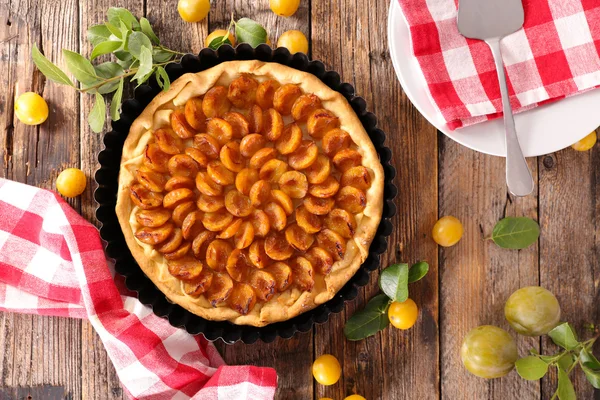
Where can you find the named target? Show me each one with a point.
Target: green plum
(532, 311)
(489, 352)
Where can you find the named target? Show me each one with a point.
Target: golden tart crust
(288, 300)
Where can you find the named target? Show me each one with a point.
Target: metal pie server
(490, 21)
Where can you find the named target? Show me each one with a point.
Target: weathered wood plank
(291, 358)
(476, 276)
(39, 350)
(569, 267)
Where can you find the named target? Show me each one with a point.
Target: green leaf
(104, 48)
(369, 321)
(50, 70)
(163, 78)
(394, 282)
(145, 67)
(251, 32)
(565, 387)
(531, 368)
(564, 336)
(588, 360)
(516, 232)
(218, 42)
(417, 271)
(161, 56)
(108, 70)
(137, 41)
(119, 14)
(566, 361)
(114, 30)
(147, 29)
(115, 103)
(80, 67)
(97, 34)
(97, 114)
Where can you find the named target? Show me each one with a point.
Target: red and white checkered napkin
(556, 55)
(52, 263)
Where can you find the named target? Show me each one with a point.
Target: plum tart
(249, 192)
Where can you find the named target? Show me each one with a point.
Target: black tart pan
(106, 196)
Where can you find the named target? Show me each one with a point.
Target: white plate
(543, 130)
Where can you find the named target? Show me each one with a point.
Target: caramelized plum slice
(304, 156)
(237, 203)
(272, 124)
(217, 254)
(177, 197)
(192, 225)
(285, 97)
(272, 170)
(298, 237)
(199, 285)
(200, 244)
(242, 91)
(154, 236)
(220, 130)
(319, 170)
(320, 122)
(260, 193)
(277, 217)
(357, 177)
(327, 188)
(335, 140)
(239, 124)
(283, 200)
(151, 180)
(206, 185)
(282, 273)
(308, 221)
(210, 203)
(255, 118)
(208, 145)
(277, 247)
(319, 206)
(251, 143)
(172, 243)
(257, 255)
(180, 126)
(144, 198)
(263, 284)
(265, 92)
(168, 141)
(198, 156)
(242, 298)
(237, 265)
(152, 218)
(183, 165)
(290, 139)
(194, 114)
(179, 182)
(187, 269)
(181, 212)
(302, 271)
(346, 159)
(294, 184)
(156, 159)
(220, 289)
(215, 102)
(181, 252)
(231, 229)
(304, 106)
(231, 157)
(352, 199)
(244, 236)
(332, 242)
(342, 222)
(219, 173)
(320, 259)
(245, 179)
(261, 157)
(217, 221)
(260, 222)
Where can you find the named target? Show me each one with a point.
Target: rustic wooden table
(467, 285)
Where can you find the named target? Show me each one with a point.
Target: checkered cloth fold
(52, 263)
(555, 55)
